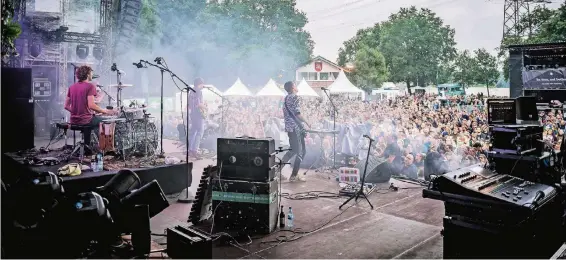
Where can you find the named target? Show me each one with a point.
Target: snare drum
(115, 136)
(133, 113)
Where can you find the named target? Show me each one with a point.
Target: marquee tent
(270, 89)
(342, 85)
(238, 89)
(305, 90)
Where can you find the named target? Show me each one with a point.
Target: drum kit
(129, 133)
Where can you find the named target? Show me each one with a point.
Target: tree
(10, 29)
(364, 37)
(370, 70)
(486, 68)
(415, 43)
(465, 69)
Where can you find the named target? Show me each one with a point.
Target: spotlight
(35, 50)
(151, 195)
(98, 52)
(82, 51)
(120, 185)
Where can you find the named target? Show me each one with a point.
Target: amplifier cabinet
(245, 207)
(246, 159)
(517, 139)
(529, 167)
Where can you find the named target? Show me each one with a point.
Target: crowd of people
(409, 131)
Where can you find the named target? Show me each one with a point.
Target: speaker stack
(245, 193)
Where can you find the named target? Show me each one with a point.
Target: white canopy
(305, 90)
(343, 85)
(270, 89)
(238, 89)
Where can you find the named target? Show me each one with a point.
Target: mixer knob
(519, 197)
(526, 192)
(514, 199)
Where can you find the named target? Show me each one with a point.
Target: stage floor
(401, 225)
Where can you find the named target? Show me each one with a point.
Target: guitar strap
(299, 125)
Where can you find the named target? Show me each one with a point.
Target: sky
(478, 23)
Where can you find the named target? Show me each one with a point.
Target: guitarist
(196, 123)
(295, 130)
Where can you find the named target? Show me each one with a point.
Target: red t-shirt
(77, 94)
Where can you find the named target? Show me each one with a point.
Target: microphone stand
(334, 113)
(188, 89)
(162, 69)
(221, 110)
(361, 192)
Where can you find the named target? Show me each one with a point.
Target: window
(308, 76)
(324, 76)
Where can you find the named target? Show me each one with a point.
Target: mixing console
(477, 180)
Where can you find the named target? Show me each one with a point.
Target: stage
(402, 224)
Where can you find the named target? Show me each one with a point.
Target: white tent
(270, 89)
(342, 85)
(238, 89)
(305, 90)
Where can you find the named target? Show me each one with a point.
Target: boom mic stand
(162, 69)
(221, 110)
(334, 114)
(361, 192)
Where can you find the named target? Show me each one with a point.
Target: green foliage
(364, 37)
(465, 69)
(479, 67)
(10, 29)
(415, 43)
(234, 38)
(370, 70)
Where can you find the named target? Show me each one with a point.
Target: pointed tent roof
(305, 90)
(270, 89)
(343, 85)
(238, 89)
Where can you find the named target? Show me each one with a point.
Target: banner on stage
(545, 79)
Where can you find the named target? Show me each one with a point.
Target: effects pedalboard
(351, 189)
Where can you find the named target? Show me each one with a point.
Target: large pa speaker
(128, 21)
(378, 170)
(526, 107)
(515, 73)
(17, 110)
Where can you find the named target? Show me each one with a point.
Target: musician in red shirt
(80, 102)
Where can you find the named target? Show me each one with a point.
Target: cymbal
(120, 86)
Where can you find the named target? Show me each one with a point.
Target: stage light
(120, 185)
(151, 195)
(98, 52)
(82, 51)
(35, 50)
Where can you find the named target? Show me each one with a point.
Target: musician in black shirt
(295, 130)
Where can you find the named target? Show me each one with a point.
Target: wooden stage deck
(401, 225)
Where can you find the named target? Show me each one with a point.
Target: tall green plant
(10, 29)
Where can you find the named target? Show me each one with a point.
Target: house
(318, 73)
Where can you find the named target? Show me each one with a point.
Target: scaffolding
(515, 12)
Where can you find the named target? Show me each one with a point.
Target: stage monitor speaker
(378, 170)
(526, 108)
(18, 110)
(515, 73)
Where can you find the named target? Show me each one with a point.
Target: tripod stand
(334, 114)
(361, 192)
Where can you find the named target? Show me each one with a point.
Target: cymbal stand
(361, 192)
(119, 82)
(334, 114)
(280, 164)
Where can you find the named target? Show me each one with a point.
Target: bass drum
(123, 139)
(146, 137)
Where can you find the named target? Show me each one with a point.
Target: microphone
(100, 86)
(158, 60)
(95, 76)
(139, 65)
(325, 89)
(367, 136)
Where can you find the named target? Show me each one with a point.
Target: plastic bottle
(290, 218)
(100, 162)
(94, 163)
(281, 218)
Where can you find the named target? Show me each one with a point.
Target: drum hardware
(321, 133)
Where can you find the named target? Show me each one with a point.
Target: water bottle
(94, 163)
(290, 218)
(100, 165)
